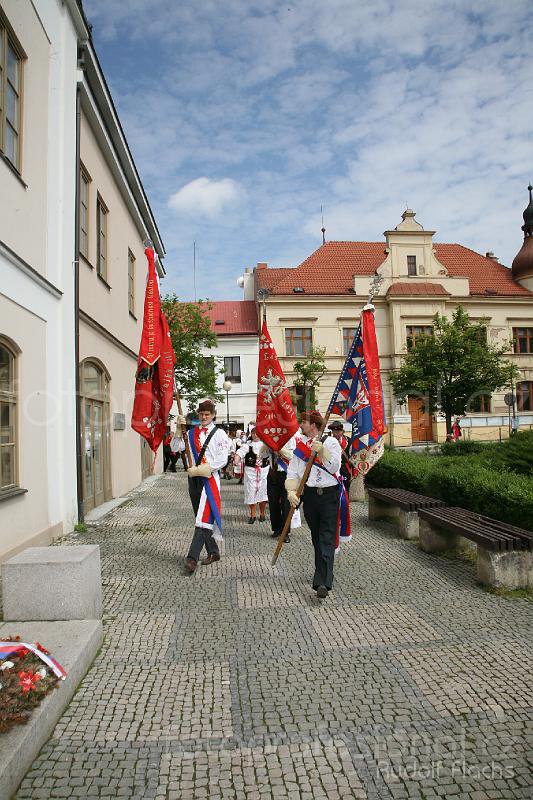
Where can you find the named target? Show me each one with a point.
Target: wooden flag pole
(299, 492)
(184, 436)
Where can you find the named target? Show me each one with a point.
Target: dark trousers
(320, 512)
(202, 537)
(167, 452)
(278, 504)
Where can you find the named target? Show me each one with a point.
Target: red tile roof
(331, 268)
(238, 317)
(424, 289)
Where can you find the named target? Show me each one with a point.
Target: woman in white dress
(254, 456)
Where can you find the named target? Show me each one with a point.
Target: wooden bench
(504, 552)
(400, 506)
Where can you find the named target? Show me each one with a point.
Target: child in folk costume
(238, 465)
(254, 456)
(209, 447)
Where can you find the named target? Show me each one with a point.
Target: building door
(421, 422)
(95, 435)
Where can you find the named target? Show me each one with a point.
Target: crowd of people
(270, 477)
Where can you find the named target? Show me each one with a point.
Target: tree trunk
(448, 424)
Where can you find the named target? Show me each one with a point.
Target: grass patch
(80, 527)
(509, 594)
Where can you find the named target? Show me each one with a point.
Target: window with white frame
(8, 417)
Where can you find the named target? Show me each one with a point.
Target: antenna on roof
(323, 228)
(194, 268)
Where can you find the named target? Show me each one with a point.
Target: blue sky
(245, 117)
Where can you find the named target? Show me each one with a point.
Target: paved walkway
(408, 682)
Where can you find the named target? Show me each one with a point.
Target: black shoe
(321, 592)
(287, 539)
(262, 519)
(274, 535)
(251, 521)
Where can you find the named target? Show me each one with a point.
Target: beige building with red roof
(319, 302)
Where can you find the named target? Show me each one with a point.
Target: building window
(523, 340)
(524, 396)
(414, 332)
(232, 368)
(347, 339)
(411, 265)
(8, 417)
(481, 404)
(101, 241)
(84, 212)
(131, 283)
(10, 95)
(208, 363)
(298, 341)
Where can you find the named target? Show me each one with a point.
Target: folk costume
(256, 467)
(209, 448)
(320, 501)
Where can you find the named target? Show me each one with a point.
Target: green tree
(190, 331)
(452, 366)
(308, 375)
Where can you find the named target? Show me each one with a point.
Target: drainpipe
(79, 461)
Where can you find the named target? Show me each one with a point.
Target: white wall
(37, 316)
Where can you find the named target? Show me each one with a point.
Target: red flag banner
(275, 418)
(371, 357)
(154, 381)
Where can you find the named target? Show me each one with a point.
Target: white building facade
(37, 223)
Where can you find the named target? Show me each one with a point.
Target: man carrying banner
(210, 449)
(320, 496)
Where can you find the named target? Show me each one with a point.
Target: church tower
(522, 267)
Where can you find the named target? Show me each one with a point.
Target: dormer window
(411, 265)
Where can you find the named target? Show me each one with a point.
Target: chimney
(490, 254)
(262, 265)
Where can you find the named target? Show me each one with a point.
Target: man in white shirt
(211, 445)
(320, 497)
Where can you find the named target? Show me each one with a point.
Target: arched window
(95, 444)
(8, 416)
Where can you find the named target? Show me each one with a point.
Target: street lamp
(227, 388)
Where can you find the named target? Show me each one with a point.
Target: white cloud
(205, 198)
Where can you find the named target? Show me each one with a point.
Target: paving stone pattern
(409, 681)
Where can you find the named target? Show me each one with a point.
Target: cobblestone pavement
(410, 681)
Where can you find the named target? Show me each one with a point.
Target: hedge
(460, 481)
(514, 454)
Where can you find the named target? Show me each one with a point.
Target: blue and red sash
(209, 510)
(344, 528)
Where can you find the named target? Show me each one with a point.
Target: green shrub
(462, 448)
(513, 455)
(461, 481)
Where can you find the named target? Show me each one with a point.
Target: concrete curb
(74, 645)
